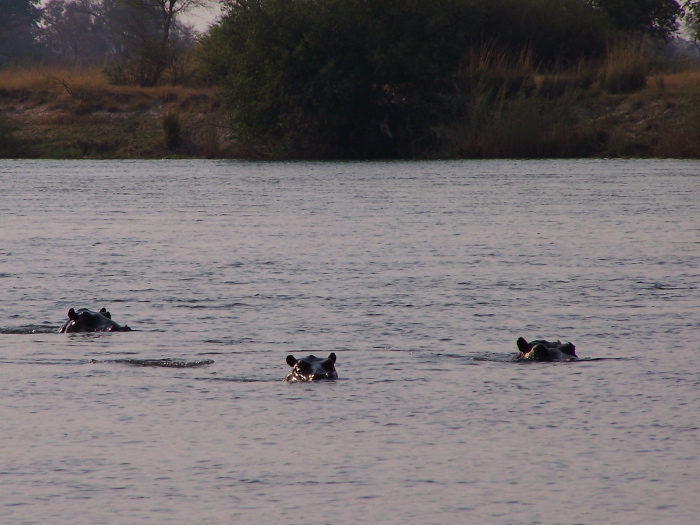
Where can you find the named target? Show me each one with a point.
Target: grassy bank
(63, 113)
(660, 119)
(612, 110)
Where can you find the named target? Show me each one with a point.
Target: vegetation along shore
(350, 79)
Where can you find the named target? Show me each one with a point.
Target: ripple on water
(419, 276)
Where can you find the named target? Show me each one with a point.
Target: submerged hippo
(311, 368)
(84, 320)
(541, 350)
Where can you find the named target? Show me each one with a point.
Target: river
(420, 276)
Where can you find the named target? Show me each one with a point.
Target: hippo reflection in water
(311, 368)
(541, 350)
(84, 320)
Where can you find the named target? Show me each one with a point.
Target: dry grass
(54, 112)
(86, 91)
(626, 67)
(42, 78)
(38, 78)
(496, 70)
(677, 83)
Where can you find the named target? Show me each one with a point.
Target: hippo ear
(569, 349)
(332, 357)
(104, 312)
(291, 361)
(72, 315)
(522, 345)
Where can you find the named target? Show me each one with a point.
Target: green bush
(522, 125)
(352, 78)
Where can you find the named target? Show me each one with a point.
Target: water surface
(420, 276)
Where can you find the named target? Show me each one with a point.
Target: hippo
(541, 350)
(85, 320)
(311, 368)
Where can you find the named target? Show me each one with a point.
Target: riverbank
(54, 115)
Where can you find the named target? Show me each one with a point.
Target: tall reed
(626, 67)
(499, 70)
(499, 113)
(521, 126)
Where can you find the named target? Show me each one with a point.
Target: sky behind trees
(201, 18)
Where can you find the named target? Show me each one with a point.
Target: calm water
(420, 276)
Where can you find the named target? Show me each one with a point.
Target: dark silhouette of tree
(656, 18)
(149, 39)
(74, 31)
(692, 18)
(360, 78)
(18, 21)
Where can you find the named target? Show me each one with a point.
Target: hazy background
(202, 18)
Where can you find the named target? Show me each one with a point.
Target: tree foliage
(357, 78)
(692, 18)
(74, 32)
(18, 21)
(141, 41)
(148, 40)
(656, 18)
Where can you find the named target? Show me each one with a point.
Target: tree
(149, 39)
(555, 31)
(692, 18)
(341, 77)
(360, 78)
(169, 9)
(74, 31)
(656, 18)
(18, 20)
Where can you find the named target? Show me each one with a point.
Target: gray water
(419, 276)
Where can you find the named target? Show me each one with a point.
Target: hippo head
(542, 350)
(311, 368)
(84, 320)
